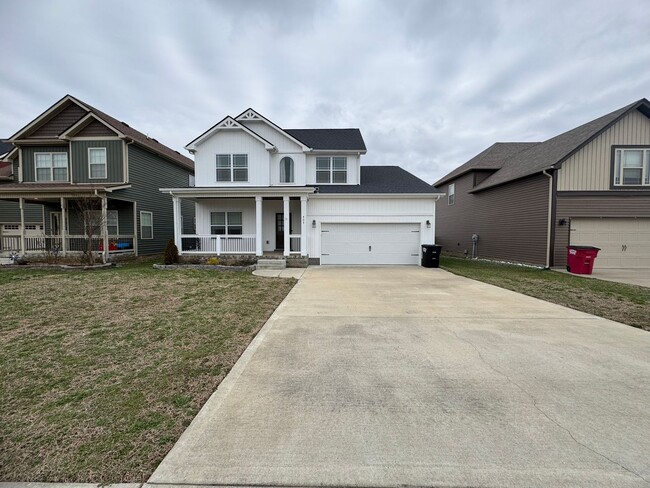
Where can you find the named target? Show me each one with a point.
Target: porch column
(21, 202)
(287, 226)
(177, 227)
(64, 219)
(258, 226)
(105, 228)
(303, 225)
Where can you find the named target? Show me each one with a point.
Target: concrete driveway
(415, 377)
(640, 277)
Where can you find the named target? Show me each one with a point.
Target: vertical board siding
(511, 220)
(29, 163)
(147, 174)
(95, 128)
(114, 161)
(590, 168)
(61, 121)
(609, 205)
(279, 140)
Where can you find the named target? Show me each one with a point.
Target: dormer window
(632, 166)
(232, 167)
(332, 169)
(286, 170)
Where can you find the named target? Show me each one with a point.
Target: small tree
(90, 210)
(171, 253)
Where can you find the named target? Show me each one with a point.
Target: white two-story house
(261, 189)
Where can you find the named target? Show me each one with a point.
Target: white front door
(395, 243)
(624, 242)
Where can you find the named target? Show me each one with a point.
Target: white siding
(589, 169)
(231, 141)
(298, 168)
(278, 139)
(368, 210)
(354, 162)
(269, 209)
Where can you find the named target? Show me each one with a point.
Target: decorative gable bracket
(228, 123)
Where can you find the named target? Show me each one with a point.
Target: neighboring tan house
(73, 154)
(261, 189)
(527, 201)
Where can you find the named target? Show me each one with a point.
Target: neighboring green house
(75, 172)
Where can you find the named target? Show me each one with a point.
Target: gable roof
(121, 128)
(492, 158)
(5, 147)
(228, 123)
(251, 115)
(383, 179)
(551, 153)
(330, 139)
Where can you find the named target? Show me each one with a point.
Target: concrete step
(271, 264)
(4, 260)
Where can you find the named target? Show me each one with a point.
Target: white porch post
(287, 226)
(105, 228)
(177, 219)
(258, 226)
(64, 217)
(303, 225)
(21, 202)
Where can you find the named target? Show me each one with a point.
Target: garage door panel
(379, 243)
(624, 242)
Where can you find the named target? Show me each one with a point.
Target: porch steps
(4, 260)
(271, 263)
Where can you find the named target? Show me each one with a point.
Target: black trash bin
(431, 255)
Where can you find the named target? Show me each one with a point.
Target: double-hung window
(97, 163)
(146, 225)
(51, 166)
(451, 194)
(632, 166)
(226, 223)
(232, 167)
(331, 169)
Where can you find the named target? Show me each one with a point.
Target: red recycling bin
(580, 259)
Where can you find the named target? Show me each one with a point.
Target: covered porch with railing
(240, 222)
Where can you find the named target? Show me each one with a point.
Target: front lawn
(103, 370)
(628, 304)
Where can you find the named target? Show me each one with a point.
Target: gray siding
(63, 120)
(114, 161)
(511, 220)
(609, 204)
(29, 165)
(10, 212)
(94, 129)
(147, 174)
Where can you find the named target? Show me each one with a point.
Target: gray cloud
(430, 83)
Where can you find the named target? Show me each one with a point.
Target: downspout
(550, 219)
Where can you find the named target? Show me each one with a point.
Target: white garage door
(624, 243)
(370, 243)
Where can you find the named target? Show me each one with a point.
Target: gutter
(550, 218)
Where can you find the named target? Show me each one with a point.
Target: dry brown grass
(102, 371)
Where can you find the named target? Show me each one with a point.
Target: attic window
(632, 167)
(451, 194)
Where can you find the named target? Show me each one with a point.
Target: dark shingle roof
(492, 158)
(5, 147)
(552, 152)
(382, 179)
(330, 139)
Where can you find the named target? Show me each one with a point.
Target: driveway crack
(540, 410)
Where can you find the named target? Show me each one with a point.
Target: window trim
(51, 167)
(292, 169)
(451, 194)
(90, 176)
(232, 167)
(644, 172)
(141, 226)
(226, 225)
(331, 170)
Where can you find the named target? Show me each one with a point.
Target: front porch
(244, 223)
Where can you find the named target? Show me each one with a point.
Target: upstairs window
(226, 223)
(97, 163)
(332, 169)
(632, 167)
(51, 166)
(286, 170)
(232, 167)
(451, 194)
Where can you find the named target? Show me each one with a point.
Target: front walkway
(411, 376)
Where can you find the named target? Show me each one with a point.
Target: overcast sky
(429, 83)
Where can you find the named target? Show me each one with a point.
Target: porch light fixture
(313, 224)
(428, 224)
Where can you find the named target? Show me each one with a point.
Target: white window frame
(451, 194)
(142, 212)
(331, 170)
(231, 167)
(90, 164)
(51, 167)
(619, 169)
(292, 174)
(226, 223)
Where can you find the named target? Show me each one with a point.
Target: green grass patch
(628, 304)
(103, 370)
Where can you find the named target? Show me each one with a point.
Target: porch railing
(74, 243)
(217, 244)
(294, 244)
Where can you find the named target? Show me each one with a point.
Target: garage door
(624, 243)
(370, 243)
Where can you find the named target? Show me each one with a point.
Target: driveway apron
(406, 376)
